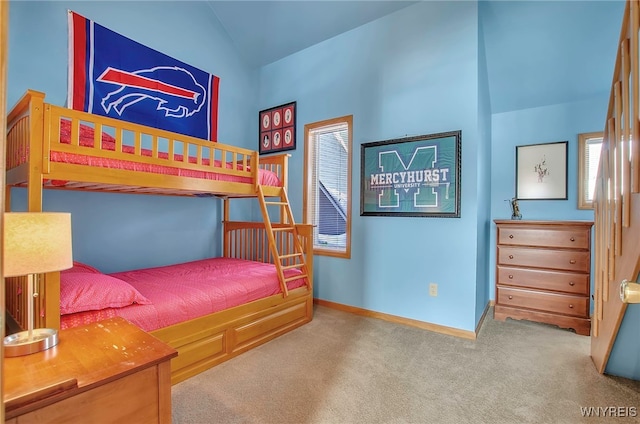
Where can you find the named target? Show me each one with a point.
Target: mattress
(190, 290)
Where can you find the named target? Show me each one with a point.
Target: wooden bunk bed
(107, 155)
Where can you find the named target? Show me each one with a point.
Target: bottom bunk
(208, 310)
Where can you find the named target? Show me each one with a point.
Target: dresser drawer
(568, 260)
(571, 238)
(567, 282)
(544, 301)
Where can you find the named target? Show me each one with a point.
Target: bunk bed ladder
(292, 259)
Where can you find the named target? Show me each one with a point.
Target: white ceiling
(535, 50)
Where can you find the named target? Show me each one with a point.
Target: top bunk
(55, 147)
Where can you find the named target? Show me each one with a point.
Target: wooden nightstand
(106, 372)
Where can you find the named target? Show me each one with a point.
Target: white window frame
(309, 176)
(586, 174)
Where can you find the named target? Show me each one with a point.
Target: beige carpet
(343, 368)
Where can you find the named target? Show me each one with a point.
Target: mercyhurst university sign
(412, 176)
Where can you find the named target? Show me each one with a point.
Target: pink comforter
(185, 291)
(265, 177)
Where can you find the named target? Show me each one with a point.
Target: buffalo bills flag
(111, 75)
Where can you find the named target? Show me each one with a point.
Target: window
(327, 185)
(589, 145)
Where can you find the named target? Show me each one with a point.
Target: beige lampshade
(36, 242)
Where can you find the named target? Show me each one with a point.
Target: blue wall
(484, 181)
(562, 122)
(408, 73)
(118, 232)
(625, 355)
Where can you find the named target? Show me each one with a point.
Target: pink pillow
(80, 267)
(88, 291)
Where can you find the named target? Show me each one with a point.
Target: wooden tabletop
(85, 357)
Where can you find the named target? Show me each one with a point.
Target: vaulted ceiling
(547, 52)
(538, 52)
(265, 31)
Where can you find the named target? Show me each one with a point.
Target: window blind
(592, 160)
(329, 180)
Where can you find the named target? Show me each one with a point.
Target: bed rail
(249, 240)
(131, 140)
(34, 131)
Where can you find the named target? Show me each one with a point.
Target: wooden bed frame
(33, 133)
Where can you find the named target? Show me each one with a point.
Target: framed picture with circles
(277, 129)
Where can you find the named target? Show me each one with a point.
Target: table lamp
(34, 243)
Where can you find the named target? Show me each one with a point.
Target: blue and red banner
(112, 75)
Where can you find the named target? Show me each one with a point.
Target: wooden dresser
(107, 372)
(542, 272)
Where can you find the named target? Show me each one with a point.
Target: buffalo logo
(181, 98)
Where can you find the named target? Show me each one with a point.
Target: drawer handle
(511, 277)
(510, 297)
(572, 261)
(572, 239)
(571, 283)
(510, 236)
(571, 306)
(510, 256)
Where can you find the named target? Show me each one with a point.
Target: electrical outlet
(433, 289)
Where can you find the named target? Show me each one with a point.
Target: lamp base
(20, 344)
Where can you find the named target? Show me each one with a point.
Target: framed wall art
(541, 171)
(277, 129)
(412, 176)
